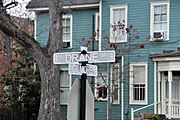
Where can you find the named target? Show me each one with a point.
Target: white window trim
(70, 77)
(112, 8)
(145, 102)
(96, 25)
(69, 16)
(152, 17)
(117, 101)
(103, 74)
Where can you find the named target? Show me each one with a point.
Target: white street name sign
(77, 69)
(91, 57)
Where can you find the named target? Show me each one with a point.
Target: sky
(20, 9)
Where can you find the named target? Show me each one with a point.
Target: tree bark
(50, 73)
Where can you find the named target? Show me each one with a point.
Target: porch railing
(175, 111)
(133, 111)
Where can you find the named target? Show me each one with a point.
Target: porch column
(160, 101)
(170, 93)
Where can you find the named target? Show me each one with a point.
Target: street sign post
(78, 65)
(77, 69)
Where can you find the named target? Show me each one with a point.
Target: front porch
(167, 75)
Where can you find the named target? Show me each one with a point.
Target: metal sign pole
(83, 97)
(83, 90)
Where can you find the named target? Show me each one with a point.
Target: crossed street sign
(74, 58)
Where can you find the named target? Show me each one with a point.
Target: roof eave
(66, 7)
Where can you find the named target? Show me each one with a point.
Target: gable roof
(44, 3)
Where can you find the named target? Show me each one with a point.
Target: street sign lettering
(77, 69)
(91, 57)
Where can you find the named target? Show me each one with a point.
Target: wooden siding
(139, 17)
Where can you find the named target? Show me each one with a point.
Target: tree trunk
(50, 73)
(50, 92)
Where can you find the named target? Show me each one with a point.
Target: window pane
(175, 89)
(115, 94)
(64, 36)
(163, 26)
(164, 9)
(157, 17)
(138, 74)
(116, 16)
(157, 10)
(119, 15)
(68, 29)
(122, 15)
(163, 17)
(157, 26)
(67, 36)
(67, 22)
(142, 92)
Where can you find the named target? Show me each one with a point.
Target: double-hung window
(118, 24)
(138, 83)
(115, 83)
(65, 81)
(67, 31)
(160, 20)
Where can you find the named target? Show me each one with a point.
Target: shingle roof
(44, 3)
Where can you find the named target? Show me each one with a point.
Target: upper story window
(118, 21)
(138, 83)
(160, 21)
(65, 81)
(67, 31)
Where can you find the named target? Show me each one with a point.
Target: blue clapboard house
(145, 79)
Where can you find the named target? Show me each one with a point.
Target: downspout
(122, 88)
(100, 24)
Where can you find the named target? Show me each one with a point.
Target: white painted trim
(65, 7)
(167, 59)
(159, 93)
(170, 93)
(131, 101)
(152, 17)
(155, 88)
(38, 9)
(100, 24)
(122, 88)
(35, 27)
(112, 8)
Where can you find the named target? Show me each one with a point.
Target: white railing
(175, 111)
(133, 111)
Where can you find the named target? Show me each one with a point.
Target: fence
(12, 114)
